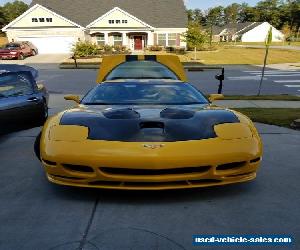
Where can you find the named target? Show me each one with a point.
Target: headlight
(13, 53)
(230, 131)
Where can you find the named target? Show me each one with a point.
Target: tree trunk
(195, 53)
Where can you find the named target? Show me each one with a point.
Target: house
(54, 26)
(246, 32)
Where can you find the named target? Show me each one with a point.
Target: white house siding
(259, 34)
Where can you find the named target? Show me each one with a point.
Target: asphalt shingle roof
(236, 28)
(157, 13)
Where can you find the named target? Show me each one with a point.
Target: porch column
(150, 38)
(106, 38)
(124, 39)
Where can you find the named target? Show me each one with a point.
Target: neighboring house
(54, 26)
(246, 32)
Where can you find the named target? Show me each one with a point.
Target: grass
(279, 117)
(264, 97)
(262, 43)
(251, 56)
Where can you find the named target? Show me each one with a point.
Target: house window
(172, 37)
(162, 40)
(49, 19)
(124, 21)
(118, 40)
(100, 39)
(34, 20)
(111, 21)
(42, 20)
(118, 21)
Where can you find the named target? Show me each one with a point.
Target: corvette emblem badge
(150, 146)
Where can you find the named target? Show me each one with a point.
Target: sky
(191, 4)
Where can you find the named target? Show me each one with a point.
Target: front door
(138, 42)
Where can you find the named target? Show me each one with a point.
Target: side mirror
(74, 98)
(215, 97)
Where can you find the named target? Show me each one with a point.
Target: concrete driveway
(35, 214)
(39, 59)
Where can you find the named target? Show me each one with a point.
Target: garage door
(51, 44)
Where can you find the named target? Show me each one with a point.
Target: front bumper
(132, 166)
(8, 56)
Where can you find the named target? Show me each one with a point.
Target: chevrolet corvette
(144, 127)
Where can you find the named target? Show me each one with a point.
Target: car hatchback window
(15, 84)
(141, 70)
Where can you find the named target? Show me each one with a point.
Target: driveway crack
(83, 240)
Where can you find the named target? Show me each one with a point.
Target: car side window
(15, 84)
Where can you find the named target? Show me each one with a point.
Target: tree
(231, 13)
(12, 10)
(195, 37)
(215, 16)
(2, 17)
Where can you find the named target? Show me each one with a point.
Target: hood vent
(122, 114)
(172, 113)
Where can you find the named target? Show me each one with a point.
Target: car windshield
(143, 94)
(12, 46)
(141, 70)
(15, 84)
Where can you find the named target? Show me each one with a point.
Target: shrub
(82, 49)
(156, 48)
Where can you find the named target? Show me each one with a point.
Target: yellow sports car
(143, 127)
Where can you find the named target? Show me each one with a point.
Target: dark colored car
(17, 50)
(21, 100)
(16, 68)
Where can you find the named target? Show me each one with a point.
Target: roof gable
(38, 11)
(117, 14)
(157, 13)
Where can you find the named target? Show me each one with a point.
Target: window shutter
(178, 40)
(155, 39)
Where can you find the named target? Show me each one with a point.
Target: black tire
(44, 114)
(33, 53)
(21, 57)
(37, 146)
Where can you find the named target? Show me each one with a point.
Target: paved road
(243, 80)
(35, 214)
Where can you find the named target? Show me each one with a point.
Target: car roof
(170, 61)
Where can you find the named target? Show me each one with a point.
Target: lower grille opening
(67, 177)
(51, 163)
(152, 172)
(154, 184)
(237, 175)
(78, 168)
(255, 160)
(230, 166)
(204, 181)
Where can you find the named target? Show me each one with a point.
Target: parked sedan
(21, 100)
(17, 50)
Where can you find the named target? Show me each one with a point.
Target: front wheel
(21, 57)
(44, 114)
(37, 146)
(33, 53)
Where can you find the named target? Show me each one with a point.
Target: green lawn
(279, 117)
(232, 55)
(264, 97)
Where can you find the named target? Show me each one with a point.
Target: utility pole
(269, 40)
